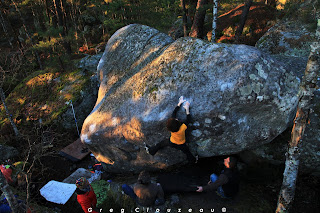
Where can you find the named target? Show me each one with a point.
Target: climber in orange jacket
(177, 129)
(86, 196)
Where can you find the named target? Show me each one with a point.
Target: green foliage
(109, 196)
(53, 32)
(101, 189)
(291, 7)
(159, 14)
(43, 94)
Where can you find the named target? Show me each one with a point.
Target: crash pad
(57, 192)
(75, 151)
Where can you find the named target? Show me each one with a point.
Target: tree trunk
(46, 5)
(3, 99)
(27, 33)
(184, 18)
(197, 30)
(76, 23)
(214, 20)
(243, 19)
(62, 23)
(307, 87)
(13, 203)
(10, 30)
(4, 27)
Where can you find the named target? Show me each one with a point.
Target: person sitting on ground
(227, 184)
(7, 172)
(86, 196)
(144, 192)
(178, 133)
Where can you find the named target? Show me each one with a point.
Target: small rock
(208, 121)
(196, 133)
(196, 124)
(174, 199)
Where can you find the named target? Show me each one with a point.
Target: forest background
(41, 40)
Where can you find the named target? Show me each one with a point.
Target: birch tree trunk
(307, 87)
(184, 18)
(5, 188)
(197, 30)
(3, 99)
(214, 20)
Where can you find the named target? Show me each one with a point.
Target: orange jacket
(180, 136)
(88, 200)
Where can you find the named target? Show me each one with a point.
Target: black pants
(183, 147)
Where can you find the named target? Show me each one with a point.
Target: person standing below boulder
(178, 133)
(227, 184)
(86, 196)
(144, 192)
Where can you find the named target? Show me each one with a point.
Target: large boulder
(88, 93)
(289, 40)
(240, 98)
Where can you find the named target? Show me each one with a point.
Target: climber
(86, 196)
(227, 184)
(144, 192)
(178, 133)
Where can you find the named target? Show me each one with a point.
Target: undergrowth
(110, 196)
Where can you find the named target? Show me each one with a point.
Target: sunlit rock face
(240, 98)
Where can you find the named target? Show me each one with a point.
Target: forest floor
(259, 187)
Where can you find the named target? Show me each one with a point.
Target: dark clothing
(174, 115)
(150, 194)
(231, 188)
(229, 180)
(183, 147)
(176, 183)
